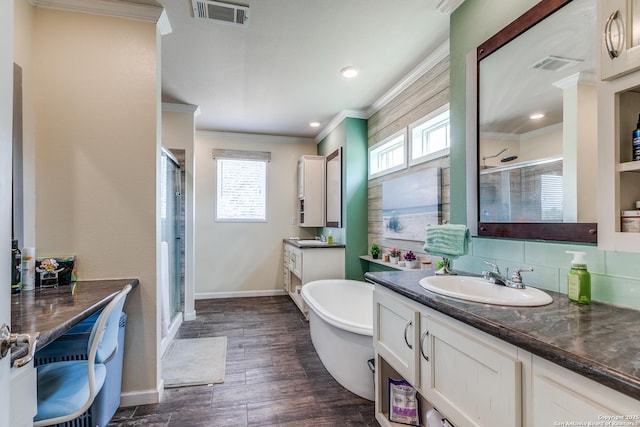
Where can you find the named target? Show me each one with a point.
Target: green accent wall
(351, 135)
(612, 278)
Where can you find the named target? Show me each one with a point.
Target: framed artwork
(410, 203)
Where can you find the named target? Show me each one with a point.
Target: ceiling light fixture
(314, 124)
(536, 116)
(349, 72)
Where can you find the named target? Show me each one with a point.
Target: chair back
(103, 340)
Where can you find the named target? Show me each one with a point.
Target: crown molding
(337, 119)
(440, 53)
(255, 137)
(119, 9)
(448, 6)
(181, 108)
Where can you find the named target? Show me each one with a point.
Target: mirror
(334, 189)
(536, 125)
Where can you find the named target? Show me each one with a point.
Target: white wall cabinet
(619, 28)
(311, 191)
(304, 265)
(618, 176)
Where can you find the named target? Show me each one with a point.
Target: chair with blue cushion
(67, 389)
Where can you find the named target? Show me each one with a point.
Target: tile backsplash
(615, 276)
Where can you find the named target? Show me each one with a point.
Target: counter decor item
(579, 279)
(28, 269)
(375, 250)
(410, 260)
(394, 255)
(448, 241)
(52, 272)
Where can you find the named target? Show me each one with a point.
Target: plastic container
(73, 346)
(579, 279)
(635, 155)
(630, 221)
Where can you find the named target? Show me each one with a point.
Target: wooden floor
(273, 375)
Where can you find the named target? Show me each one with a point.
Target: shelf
(369, 258)
(629, 167)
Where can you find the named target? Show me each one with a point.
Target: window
(388, 155)
(430, 136)
(241, 189)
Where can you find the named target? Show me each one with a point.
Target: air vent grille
(555, 63)
(221, 12)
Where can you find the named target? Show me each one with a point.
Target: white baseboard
(239, 294)
(144, 397)
(190, 316)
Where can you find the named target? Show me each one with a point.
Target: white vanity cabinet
(471, 378)
(311, 190)
(559, 395)
(304, 265)
(619, 28)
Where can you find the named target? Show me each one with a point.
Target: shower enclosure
(172, 226)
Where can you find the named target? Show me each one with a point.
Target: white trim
(180, 108)
(143, 397)
(387, 140)
(190, 316)
(337, 119)
(255, 137)
(137, 11)
(427, 64)
(424, 119)
(472, 142)
(239, 294)
(448, 6)
(164, 26)
(173, 330)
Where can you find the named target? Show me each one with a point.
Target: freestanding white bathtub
(341, 326)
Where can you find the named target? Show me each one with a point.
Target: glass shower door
(170, 232)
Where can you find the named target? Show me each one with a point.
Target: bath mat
(194, 361)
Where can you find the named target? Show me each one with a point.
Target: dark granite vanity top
(53, 311)
(320, 244)
(600, 341)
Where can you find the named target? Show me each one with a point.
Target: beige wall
(235, 259)
(424, 96)
(96, 130)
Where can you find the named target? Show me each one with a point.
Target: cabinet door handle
(608, 39)
(424, 335)
(409, 323)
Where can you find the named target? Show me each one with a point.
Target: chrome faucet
(494, 276)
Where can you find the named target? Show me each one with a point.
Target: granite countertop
(53, 311)
(319, 245)
(599, 341)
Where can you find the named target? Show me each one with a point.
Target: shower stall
(172, 239)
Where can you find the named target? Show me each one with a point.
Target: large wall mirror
(334, 189)
(537, 125)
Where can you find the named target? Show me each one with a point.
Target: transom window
(388, 155)
(430, 136)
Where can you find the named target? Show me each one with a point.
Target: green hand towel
(447, 240)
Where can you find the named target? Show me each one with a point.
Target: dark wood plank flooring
(273, 375)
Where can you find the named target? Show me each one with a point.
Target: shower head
(508, 158)
(505, 159)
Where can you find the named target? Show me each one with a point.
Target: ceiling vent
(221, 12)
(555, 63)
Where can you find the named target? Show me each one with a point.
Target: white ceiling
(282, 71)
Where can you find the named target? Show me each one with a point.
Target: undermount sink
(479, 290)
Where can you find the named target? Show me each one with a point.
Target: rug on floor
(194, 361)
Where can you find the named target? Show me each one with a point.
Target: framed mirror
(536, 135)
(334, 189)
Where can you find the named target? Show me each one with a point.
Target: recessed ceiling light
(536, 116)
(314, 124)
(349, 72)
